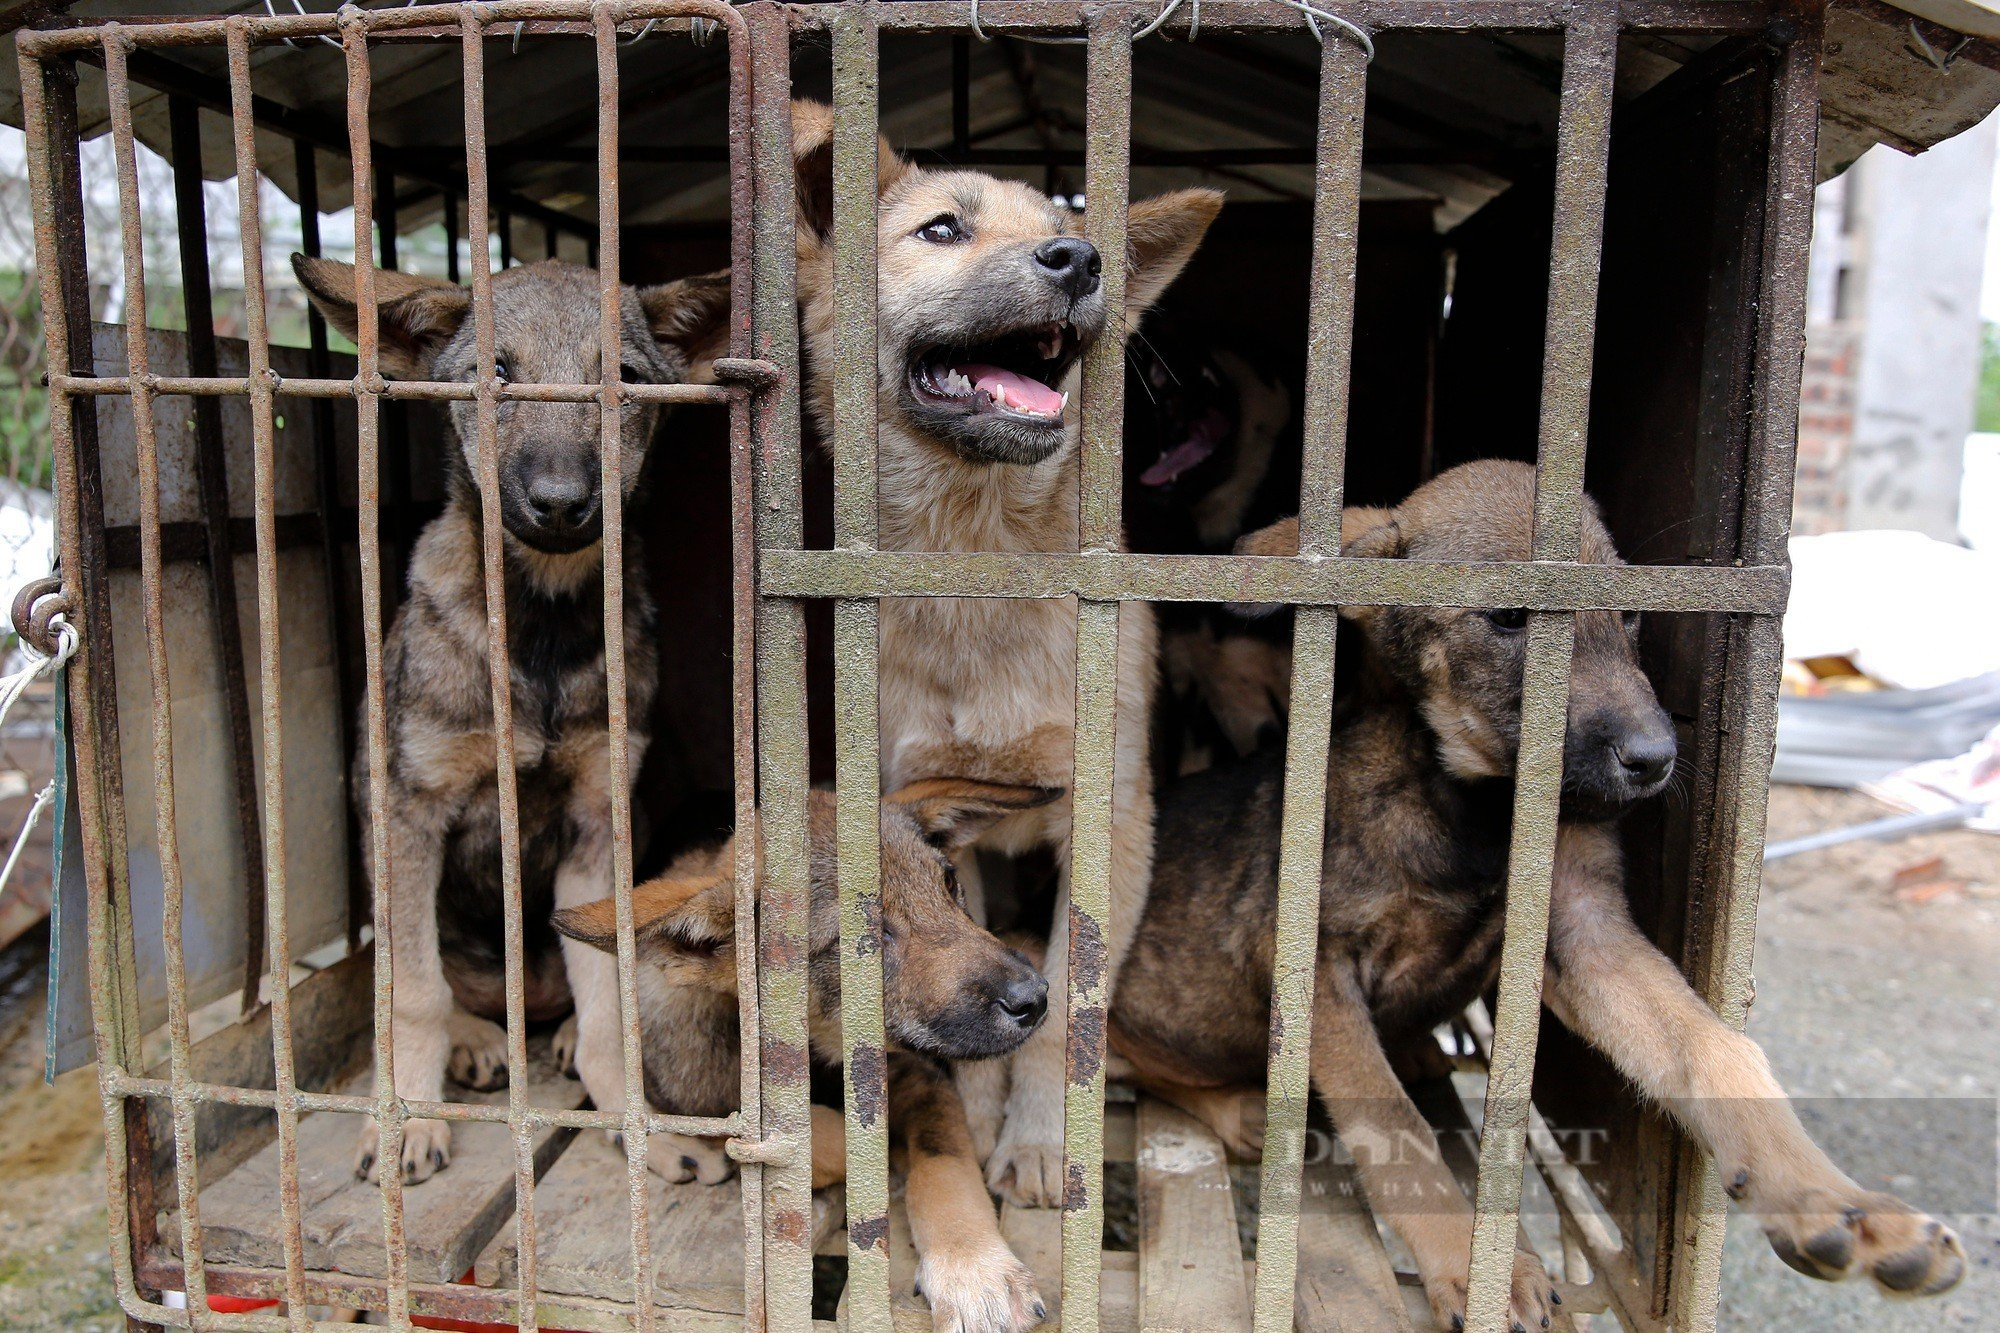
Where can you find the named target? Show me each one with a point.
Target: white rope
(12, 688)
(1314, 14)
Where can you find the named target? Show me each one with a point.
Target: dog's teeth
(1063, 406)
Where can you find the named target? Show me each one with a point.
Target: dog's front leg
(974, 1282)
(585, 877)
(1397, 1156)
(420, 997)
(1610, 985)
(1026, 1166)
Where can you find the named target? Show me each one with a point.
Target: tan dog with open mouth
(987, 300)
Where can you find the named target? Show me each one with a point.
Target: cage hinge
(36, 607)
(780, 1150)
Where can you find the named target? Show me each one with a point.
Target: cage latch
(752, 373)
(780, 1150)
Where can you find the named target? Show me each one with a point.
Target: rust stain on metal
(1086, 950)
(1085, 1058)
(868, 1075)
(869, 1233)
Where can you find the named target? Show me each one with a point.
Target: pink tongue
(1022, 393)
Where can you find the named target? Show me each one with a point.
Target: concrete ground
(1860, 993)
(1865, 994)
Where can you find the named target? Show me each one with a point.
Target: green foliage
(1986, 412)
(24, 402)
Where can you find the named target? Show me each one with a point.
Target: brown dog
(442, 804)
(1419, 806)
(951, 991)
(987, 300)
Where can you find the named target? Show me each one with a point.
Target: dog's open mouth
(1011, 377)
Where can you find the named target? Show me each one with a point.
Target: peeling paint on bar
(857, 659)
(1300, 580)
(781, 710)
(1330, 342)
(1583, 145)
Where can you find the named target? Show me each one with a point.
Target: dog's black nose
(1071, 263)
(1645, 757)
(563, 501)
(1024, 999)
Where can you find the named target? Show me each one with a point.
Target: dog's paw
(1027, 1175)
(681, 1158)
(426, 1150)
(1834, 1233)
(980, 1289)
(478, 1052)
(563, 1046)
(1530, 1304)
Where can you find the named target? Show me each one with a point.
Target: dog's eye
(500, 370)
(1509, 620)
(631, 374)
(945, 230)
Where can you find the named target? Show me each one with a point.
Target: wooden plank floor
(447, 1219)
(583, 1244)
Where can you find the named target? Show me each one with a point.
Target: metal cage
(775, 575)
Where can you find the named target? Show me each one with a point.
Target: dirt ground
(1860, 993)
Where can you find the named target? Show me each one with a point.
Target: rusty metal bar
(263, 432)
(1326, 581)
(953, 17)
(856, 647)
(187, 1181)
(1754, 655)
(326, 486)
(1329, 358)
(781, 711)
(1107, 180)
(611, 466)
(367, 391)
(222, 1094)
(450, 391)
(48, 105)
(211, 473)
(499, 659)
(743, 649)
(1066, 16)
(1583, 145)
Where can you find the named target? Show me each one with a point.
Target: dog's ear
(1368, 533)
(812, 161)
(1365, 532)
(1281, 538)
(671, 917)
(416, 316)
(952, 812)
(692, 316)
(1161, 235)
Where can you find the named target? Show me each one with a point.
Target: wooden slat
(448, 1218)
(1190, 1262)
(1345, 1281)
(583, 1235)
